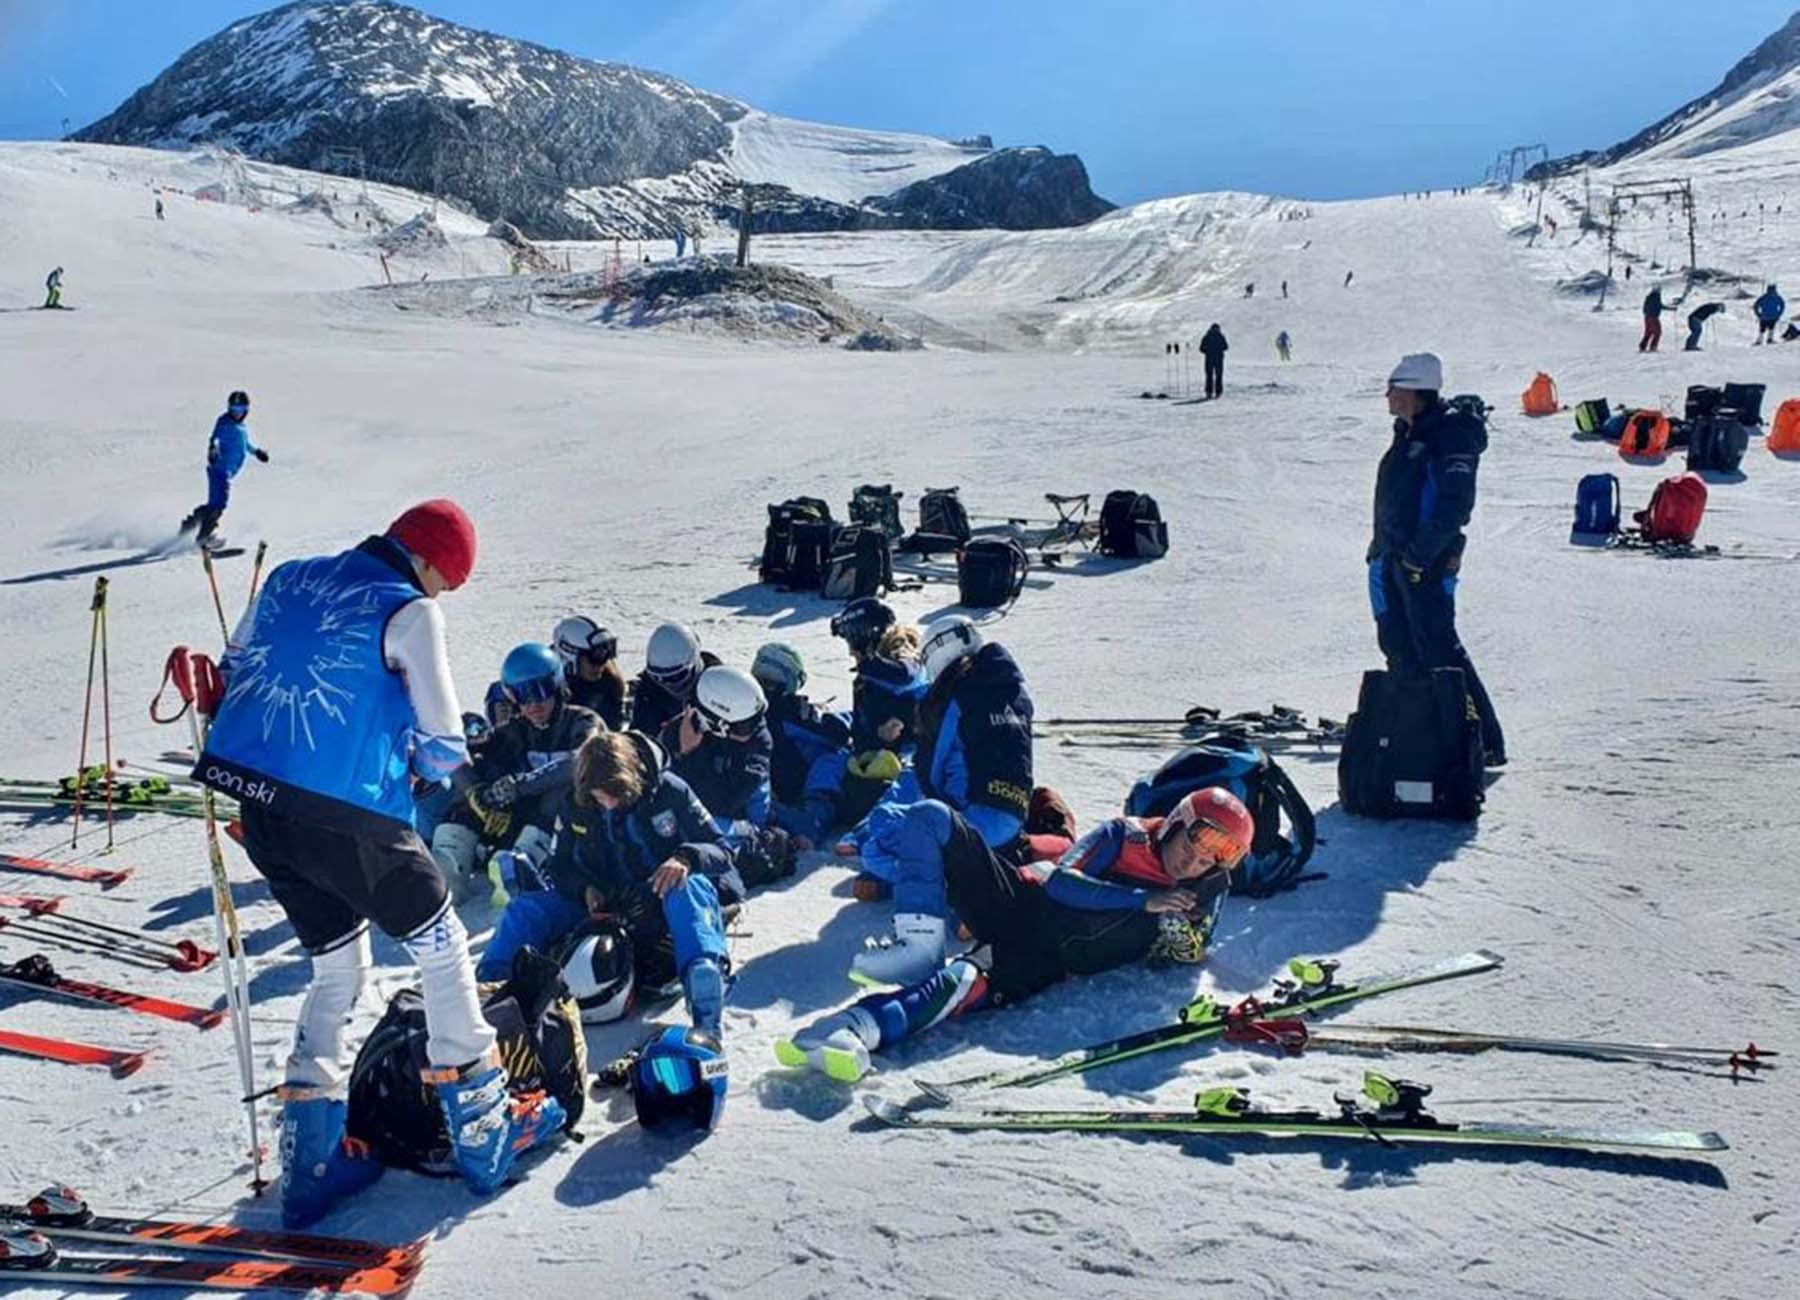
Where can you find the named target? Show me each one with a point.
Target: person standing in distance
(337, 693)
(1424, 495)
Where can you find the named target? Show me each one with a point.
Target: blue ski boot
(489, 1127)
(704, 984)
(320, 1166)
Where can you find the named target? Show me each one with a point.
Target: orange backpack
(1784, 434)
(1646, 435)
(1540, 398)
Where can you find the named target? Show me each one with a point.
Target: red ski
(60, 1212)
(36, 972)
(64, 870)
(69, 1053)
(30, 1255)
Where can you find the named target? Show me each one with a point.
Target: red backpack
(1675, 509)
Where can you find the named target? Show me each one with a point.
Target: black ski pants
(1415, 624)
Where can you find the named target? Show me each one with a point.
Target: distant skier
(350, 648)
(1284, 288)
(1769, 309)
(1424, 494)
(1348, 276)
(1696, 322)
(159, 208)
(1250, 290)
(225, 452)
(1284, 346)
(1213, 347)
(1653, 310)
(53, 288)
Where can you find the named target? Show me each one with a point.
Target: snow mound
(768, 302)
(419, 235)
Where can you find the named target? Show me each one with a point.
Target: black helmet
(863, 622)
(238, 398)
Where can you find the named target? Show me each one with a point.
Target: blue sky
(1314, 98)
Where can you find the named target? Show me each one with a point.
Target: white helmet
(778, 669)
(947, 639)
(672, 658)
(726, 699)
(597, 967)
(579, 635)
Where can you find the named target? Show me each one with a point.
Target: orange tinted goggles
(1225, 851)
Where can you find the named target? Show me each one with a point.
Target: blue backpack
(1279, 852)
(1596, 509)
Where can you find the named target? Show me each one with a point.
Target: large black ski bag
(1413, 748)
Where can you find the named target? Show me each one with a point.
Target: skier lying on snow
(1131, 888)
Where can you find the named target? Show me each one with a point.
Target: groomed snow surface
(1634, 863)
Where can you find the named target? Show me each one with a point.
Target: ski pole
(213, 581)
(188, 955)
(105, 706)
(78, 942)
(96, 648)
(197, 681)
(262, 549)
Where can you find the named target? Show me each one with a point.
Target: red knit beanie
(440, 534)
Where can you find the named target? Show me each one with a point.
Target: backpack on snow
(1590, 416)
(1132, 527)
(794, 546)
(1675, 509)
(941, 514)
(1718, 443)
(1745, 400)
(1646, 434)
(542, 1046)
(861, 564)
(878, 506)
(1285, 831)
(1702, 401)
(1540, 398)
(1413, 748)
(1784, 434)
(990, 572)
(1596, 509)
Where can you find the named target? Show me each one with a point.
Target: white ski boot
(837, 1047)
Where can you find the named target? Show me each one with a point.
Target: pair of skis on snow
(1276, 728)
(36, 974)
(1389, 1111)
(35, 1235)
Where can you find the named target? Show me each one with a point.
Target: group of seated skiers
(620, 827)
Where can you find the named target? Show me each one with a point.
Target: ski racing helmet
(598, 966)
(579, 636)
(727, 700)
(532, 674)
(1218, 820)
(863, 622)
(947, 639)
(672, 659)
(778, 669)
(680, 1076)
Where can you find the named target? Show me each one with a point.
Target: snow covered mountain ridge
(1759, 98)
(560, 146)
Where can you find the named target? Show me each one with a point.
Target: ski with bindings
(36, 972)
(69, 931)
(30, 1254)
(1313, 986)
(1387, 1111)
(61, 1212)
(1294, 1037)
(121, 1063)
(64, 870)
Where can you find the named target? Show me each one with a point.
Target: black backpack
(1745, 400)
(941, 514)
(1285, 831)
(861, 564)
(1702, 401)
(1470, 404)
(990, 572)
(1589, 416)
(782, 563)
(1718, 443)
(541, 1045)
(1413, 748)
(878, 506)
(1132, 527)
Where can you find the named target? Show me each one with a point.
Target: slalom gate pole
(105, 705)
(196, 679)
(212, 580)
(87, 705)
(262, 549)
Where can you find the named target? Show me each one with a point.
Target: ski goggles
(602, 651)
(673, 680)
(1225, 851)
(539, 690)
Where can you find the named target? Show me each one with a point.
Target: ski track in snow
(1634, 864)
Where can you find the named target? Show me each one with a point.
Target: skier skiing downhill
(1131, 888)
(53, 288)
(348, 652)
(225, 452)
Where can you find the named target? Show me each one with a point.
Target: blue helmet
(680, 1075)
(532, 674)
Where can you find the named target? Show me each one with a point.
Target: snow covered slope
(835, 162)
(1634, 862)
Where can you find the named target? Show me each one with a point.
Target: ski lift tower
(347, 161)
(1629, 192)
